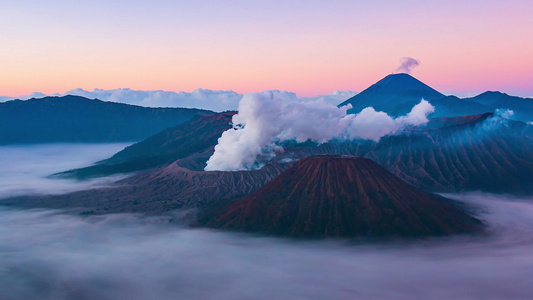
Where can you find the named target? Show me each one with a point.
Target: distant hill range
(340, 196)
(465, 147)
(396, 94)
(456, 154)
(78, 119)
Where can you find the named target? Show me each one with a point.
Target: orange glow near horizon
(343, 46)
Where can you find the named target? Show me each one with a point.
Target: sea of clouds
(47, 254)
(26, 168)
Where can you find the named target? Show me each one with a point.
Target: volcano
(340, 196)
(395, 94)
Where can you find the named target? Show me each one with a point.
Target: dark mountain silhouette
(522, 107)
(395, 94)
(194, 139)
(340, 196)
(452, 106)
(494, 99)
(78, 119)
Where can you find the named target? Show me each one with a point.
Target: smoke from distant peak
(407, 64)
(500, 118)
(264, 120)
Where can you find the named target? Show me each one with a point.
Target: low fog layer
(49, 255)
(46, 255)
(25, 168)
(264, 119)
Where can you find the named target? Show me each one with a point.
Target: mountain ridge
(393, 89)
(396, 94)
(81, 120)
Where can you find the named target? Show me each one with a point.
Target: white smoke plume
(263, 121)
(407, 64)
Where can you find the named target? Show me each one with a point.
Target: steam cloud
(407, 64)
(263, 121)
(500, 118)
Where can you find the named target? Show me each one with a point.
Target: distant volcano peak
(401, 83)
(392, 90)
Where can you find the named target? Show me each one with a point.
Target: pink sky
(308, 47)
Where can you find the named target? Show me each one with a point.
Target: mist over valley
(398, 193)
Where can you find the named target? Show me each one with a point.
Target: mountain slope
(471, 153)
(452, 106)
(158, 191)
(522, 107)
(339, 196)
(461, 154)
(395, 94)
(474, 153)
(195, 138)
(78, 119)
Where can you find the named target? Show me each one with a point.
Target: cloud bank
(335, 98)
(200, 98)
(46, 255)
(264, 120)
(25, 169)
